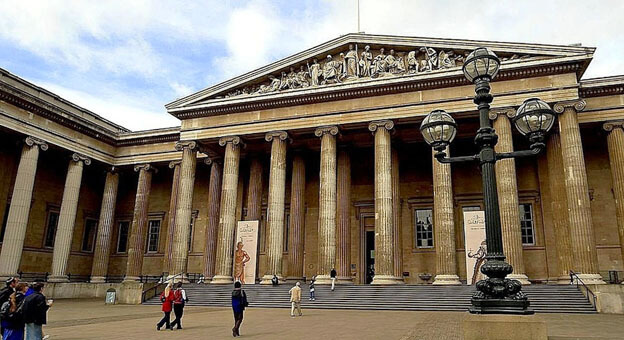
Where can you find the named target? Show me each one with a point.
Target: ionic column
(17, 220)
(559, 204)
(577, 192)
(297, 218)
(384, 231)
(214, 201)
(275, 209)
(397, 243)
(343, 218)
(99, 269)
(615, 142)
(444, 224)
(136, 244)
(327, 204)
(227, 215)
(254, 192)
(507, 188)
(67, 218)
(173, 203)
(184, 210)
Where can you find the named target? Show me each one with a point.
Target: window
(4, 222)
(424, 228)
(122, 236)
(53, 217)
(152, 236)
(88, 237)
(286, 231)
(526, 224)
(190, 238)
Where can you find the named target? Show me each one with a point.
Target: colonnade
(566, 169)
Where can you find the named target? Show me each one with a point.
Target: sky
(125, 60)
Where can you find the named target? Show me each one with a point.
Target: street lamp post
(496, 294)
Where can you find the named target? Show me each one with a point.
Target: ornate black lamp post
(534, 118)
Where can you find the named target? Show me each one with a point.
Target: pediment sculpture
(354, 65)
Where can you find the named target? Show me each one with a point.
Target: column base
(267, 280)
(180, 278)
(322, 280)
(131, 279)
(446, 280)
(386, 280)
(563, 280)
(221, 280)
(591, 279)
(58, 278)
(524, 280)
(97, 279)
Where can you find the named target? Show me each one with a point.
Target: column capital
(235, 140)
(614, 124)
(282, 135)
(32, 141)
(146, 167)
(332, 130)
(578, 105)
(78, 157)
(173, 164)
(183, 144)
(210, 160)
(510, 112)
(386, 124)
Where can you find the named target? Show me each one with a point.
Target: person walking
(6, 292)
(34, 310)
(239, 302)
(179, 300)
(332, 275)
(11, 312)
(312, 295)
(166, 297)
(295, 299)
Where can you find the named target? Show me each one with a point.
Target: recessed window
(527, 224)
(423, 222)
(52, 224)
(122, 236)
(153, 235)
(5, 218)
(88, 237)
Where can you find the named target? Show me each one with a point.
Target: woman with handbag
(167, 299)
(239, 302)
(179, 300)
(13, 323)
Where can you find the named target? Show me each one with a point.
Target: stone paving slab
(91, 319)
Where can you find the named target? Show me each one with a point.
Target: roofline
(566, 49)
(602, 81)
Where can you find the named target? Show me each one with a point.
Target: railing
(114, 278)
(158, 288)
(78, 278)
(152, 278)
(195, 277)
(613, 276)
(574, 279)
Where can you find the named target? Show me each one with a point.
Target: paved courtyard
(91, 319)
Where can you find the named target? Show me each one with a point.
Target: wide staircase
(544, 298)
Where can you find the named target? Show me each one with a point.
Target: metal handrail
(575, 279)
(160, 284)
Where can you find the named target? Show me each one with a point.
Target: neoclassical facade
(324, 149)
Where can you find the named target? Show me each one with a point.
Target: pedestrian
(6, 292)
(312, 296)
(34, 310)
(295, 299)
(332, 275)
(239, 302)
(166, 297)
(179, 300)
(11, 312)
(275, 280)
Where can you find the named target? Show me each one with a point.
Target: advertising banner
(245, 252)
(474, 236)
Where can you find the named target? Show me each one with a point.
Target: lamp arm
(441, 157)
(536, 148)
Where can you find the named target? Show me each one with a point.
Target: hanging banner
(474, 236)
(245, 252)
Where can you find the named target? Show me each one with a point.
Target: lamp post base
(500, 306)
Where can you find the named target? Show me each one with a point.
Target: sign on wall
(245, 252)
(474, 235)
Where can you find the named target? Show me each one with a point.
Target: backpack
(6, 315)
(245, 302)
(4, 310)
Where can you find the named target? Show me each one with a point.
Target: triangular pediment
(364, 59)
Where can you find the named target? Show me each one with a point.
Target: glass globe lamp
(481, 63)
(534, 118)
(438, 129)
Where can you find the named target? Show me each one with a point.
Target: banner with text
(474, 236)
(245, 252)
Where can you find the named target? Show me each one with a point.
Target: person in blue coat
(239, 302)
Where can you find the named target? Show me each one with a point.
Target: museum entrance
(367, 247)
(370, 255)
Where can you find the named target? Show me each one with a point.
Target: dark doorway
(370, 255)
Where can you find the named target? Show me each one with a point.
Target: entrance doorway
(370, 255)
(367, 247)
